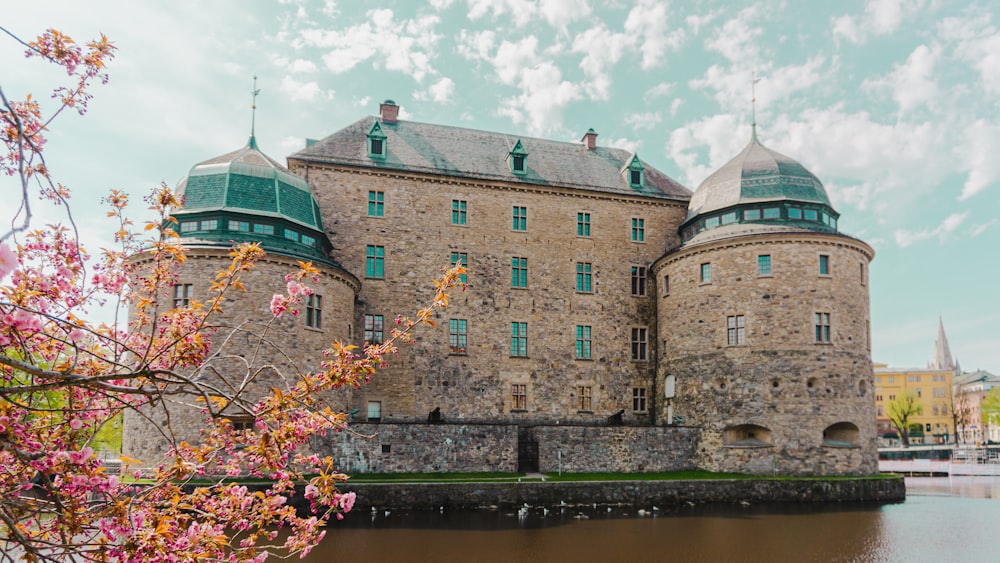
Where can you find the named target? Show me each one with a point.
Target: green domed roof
(760, 185)
(247, 180)
(245, 196)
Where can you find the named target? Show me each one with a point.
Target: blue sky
(891, 103)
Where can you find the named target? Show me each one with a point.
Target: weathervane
(253, 107)
(753, 100)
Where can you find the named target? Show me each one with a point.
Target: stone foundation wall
(423, 448)
(582, 449)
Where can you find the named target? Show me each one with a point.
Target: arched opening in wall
(747, 436)
(841, 435)
(862, 388)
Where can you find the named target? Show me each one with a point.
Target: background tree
(63, 378)
(990, 410)
(900, 411)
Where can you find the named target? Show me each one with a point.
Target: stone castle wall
(765, 405)
(288, 346)
(419, 237)
(590, 449)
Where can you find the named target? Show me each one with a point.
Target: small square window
(243, 226)
(459, 210)
(751, 215)
(735, 330)
(583, 224)
(584, 277)
(728, 218)
(189, 226)
(810, 215)
(638, 281)
(461, 259)
(518, 272)
(519, 339)
(376, 204)
(764, 265)
(772, 213)
(639, 399)
(584, 397)
(518, 396)
(638, 230)
(519, 219)
(314, 311)
(794, 213)
(291, 235)
(639, 343)
(711, 222)
(583, 342)
(458, 331)
(263, 229)
(209, 224)
(374, 329)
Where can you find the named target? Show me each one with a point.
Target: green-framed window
(519, 218)
(459, 211)
(376, 204)
(822, 325)
(583, 342)
(706, 272)
(243, 226)
(376, 142)
(584, 277)
(458, 332)
(519, 271)
(262, 229)
(638, 230)
(824, 265)
(764, 265)
(583, 224)
(374, 261)
(634, 172)
(518, 159)
(461, 259)
(519, 339)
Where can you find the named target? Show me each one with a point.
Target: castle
(613, 320)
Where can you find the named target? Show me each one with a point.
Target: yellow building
(933, 390)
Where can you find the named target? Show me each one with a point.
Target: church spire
(942, 353)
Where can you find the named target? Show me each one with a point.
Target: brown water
(942, 520)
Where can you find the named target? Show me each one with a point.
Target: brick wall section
(781, 379)
(615, 449)
(423, 448)
(418, 237)
(289, 345)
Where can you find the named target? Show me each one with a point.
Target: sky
(893, 104)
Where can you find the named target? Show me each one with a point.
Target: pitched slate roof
(756, 174)
(469, 153)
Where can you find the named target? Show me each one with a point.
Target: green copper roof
(248, 181)
(757, 175)
(245, 196)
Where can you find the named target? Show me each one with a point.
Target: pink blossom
(8, 260)
(278, 305)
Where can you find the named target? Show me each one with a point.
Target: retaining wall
(623, 449)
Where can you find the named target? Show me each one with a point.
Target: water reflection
(942, 520)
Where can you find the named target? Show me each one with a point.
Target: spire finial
(753, 102)
(253, 106)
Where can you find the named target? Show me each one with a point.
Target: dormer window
(376, 141)
(518, 159)
(633, 172)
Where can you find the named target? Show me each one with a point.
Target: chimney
(590, 139)
(389, 111)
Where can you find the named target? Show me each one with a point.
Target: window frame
(821, 323)
(639, 339)
(518, 339)
(824, 265)
(376, 203)
(518, 396)
(736, 330)
(583, 224)
(585, 277)
(374, 329)
(639, 399)
(585, 398)
(459, 212)
(314, 311)
(639, 281)
(638, 230)
(764, 266)
(458, 337)
(705, 273)
(183, 293)
(375, 262)
(461, 258)
(519, 218)
(584, 342)
(519, 272)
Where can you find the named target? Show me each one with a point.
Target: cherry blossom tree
(63, 378)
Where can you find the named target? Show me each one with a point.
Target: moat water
(953, 519)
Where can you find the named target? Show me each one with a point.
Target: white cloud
(623, 143)
(514, 59)
(648, 22)
(906, 238)
(978, 155)
(475, 45)
(675, 105)
(558, 13)
(440, 92)
(881, 17)
(302, 66)
(543, 96)
(661, 89)
(775, 84)
(980, 229)
(977, 42)
(304, 91)
(736, 39)
(441, 4)
(406, 45)
(602, 49)
(639, 121)
(911, 82)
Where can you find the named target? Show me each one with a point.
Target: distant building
(933, 390)
(613, 320)
(970, 390)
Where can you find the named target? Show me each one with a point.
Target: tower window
(518, 396)
(314, 311)
(638, 281)
(736, 330)
(706, 272)
(824, 265)
(822, 327)
(764, 265)
(584, 397)
(639, 399)
(639, 341)
(182, 295)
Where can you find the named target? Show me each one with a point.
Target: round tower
(245, 196)
(763, 321)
